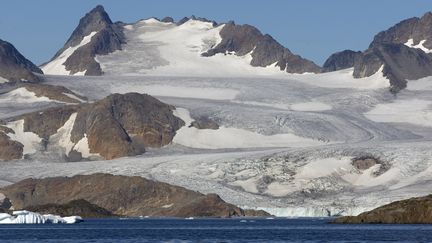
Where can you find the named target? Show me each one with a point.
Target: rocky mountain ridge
(403, 52)
(14, 67)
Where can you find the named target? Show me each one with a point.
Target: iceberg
(26, 217)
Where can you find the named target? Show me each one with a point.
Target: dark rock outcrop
(76, 207)
(418, 29)
(120, 195)
(410, 211)
(5, 204)
(168, 20)
(124, 125)
(341, 60)
(401, 63)
(14, 66)
(109, 38)
(204, 123)
(9, 149)
(256, 213)
(244, 39)
(186, 19)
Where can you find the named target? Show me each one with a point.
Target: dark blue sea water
(214, 230)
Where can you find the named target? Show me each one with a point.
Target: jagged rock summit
(402, 53)
(95, 35)
(14, 66)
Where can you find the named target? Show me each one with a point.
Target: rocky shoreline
(106, 195)
(416, 210)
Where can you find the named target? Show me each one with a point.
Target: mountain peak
(95, 20)
(14, 66)
(95, 35)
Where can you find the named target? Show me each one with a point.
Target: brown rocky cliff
(124, 125)
(121, 195)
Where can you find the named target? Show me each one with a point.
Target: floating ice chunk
(26, 217)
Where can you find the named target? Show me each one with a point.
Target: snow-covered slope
(158, 48)
(57, 66)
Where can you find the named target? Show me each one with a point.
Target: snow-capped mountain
(402, 53)
(95, 35)
(14, 66)
(190, 47)
(239, 115)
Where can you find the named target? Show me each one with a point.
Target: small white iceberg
(26, 217)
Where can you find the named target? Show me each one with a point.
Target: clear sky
(313, 29)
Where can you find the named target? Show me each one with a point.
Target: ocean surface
(214, 230)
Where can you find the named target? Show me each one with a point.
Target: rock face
(124, 125)
(411, 211)
(417, 29)
(76, 207)
(108, 38)
(14, 66)
(341, 60)
(245, 39)
(401, 63)
(9, 149)
(117, 126)
(121, 195)
(46, 123)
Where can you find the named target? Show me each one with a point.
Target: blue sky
(313, 29)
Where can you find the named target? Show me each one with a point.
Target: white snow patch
(57, 67)
(63, 135)
(72, 96)
(415, 111)
(26, 217)
(344, 79)
(22, 95)
(83, 147)
(168, 205)
(225, 137)
(30, 140)
(311, 106)
(180, 91)
(410, 43)
(248, 185)
(324, 167)
(420, 84)
(3, 80)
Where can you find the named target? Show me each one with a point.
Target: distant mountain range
(197, 46)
